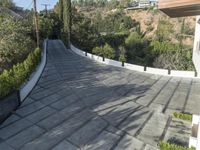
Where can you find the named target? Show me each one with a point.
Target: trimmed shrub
(98, 51)
(106, 51)
(13, 78)
(169, 146)
(122, 56)
(182, 116)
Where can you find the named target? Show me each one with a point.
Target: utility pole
(36, 22)
(46, 5)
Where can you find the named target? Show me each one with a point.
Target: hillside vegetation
(144, 37)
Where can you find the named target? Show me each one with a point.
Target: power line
(46, 5)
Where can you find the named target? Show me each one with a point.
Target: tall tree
(7, 3)
(61, 10)
(67, 16)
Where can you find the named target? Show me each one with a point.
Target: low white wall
(192, 142)
(186, 74)
(157, 71)
(134, 67)
(195, 119)
(97, 58)
(77, 51)
(198, 138)
(26, 89)
(182, 73)
(112, 62)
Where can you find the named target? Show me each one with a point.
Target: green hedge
(13, 78)
(182, 116)
(168, 146)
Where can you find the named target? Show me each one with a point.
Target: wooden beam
(180, 8)
(177, 3)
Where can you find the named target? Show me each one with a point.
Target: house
(182, 8)
(144, 3)
(140, 4)
(154, 2)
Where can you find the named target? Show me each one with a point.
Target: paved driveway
(81, 104)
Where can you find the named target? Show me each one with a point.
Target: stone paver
(25, 136)
(130, 143)
(79, 104)
(65, 145)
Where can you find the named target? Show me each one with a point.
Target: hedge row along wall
(12, 79)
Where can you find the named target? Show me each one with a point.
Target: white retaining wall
(133, 67)
(157, 71)
(186, 74)
(182, 73)
(196, 48)
(195, 141)
(26, 89)
(112, 62)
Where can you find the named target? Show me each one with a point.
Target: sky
(27, 4)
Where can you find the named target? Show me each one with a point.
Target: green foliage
(50, 26)
(106, 51)
(122, 56)
(84, 34)
(164, 30)
(168, 146)
(13, 78)
(187, 30)
(115, 40)
(7, 3)
(172, 57)
(67, 16)
(133, 41)
(98, 51)
(138, 50)
(60, 11)
(182, 116)
(91, 32)
(117, 22)
(162, 47)
(15, 41)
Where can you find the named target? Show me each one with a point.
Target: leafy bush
(13, 78)
(168, 146)
(15, 41)
(133, 41)
(175, 60)
(7, 3)
(122, 56)
(115, 40)
(182, 116)
(106, 51)
(98, 51)
(164, 30)
(162, 47)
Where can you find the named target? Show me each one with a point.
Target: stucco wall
(196, 49)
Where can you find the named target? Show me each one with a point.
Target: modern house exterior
(141, 4)
(153, 2)
(182, 8)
